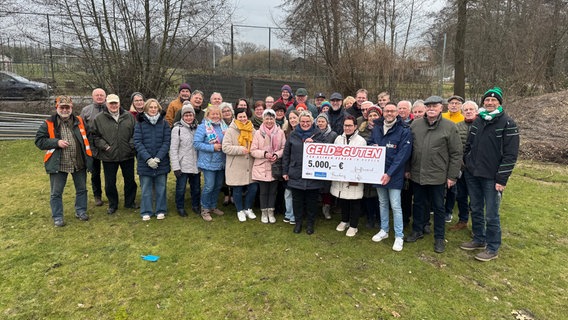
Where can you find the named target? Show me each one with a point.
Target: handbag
(277, 169)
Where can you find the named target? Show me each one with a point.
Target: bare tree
(128, 45)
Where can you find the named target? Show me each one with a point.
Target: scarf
(488, 116)
(152, 119)
(387, 126)
(245, 137)
(192, 126)
(210, 130)
(274, 138)
(256, 121)
(326, 131)
(115, 115)
(304, 134)
(280, 122)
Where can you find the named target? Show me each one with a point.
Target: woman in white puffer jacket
(349, 193)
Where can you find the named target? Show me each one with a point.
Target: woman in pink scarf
(267, 147)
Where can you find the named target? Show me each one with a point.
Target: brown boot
(458, 226)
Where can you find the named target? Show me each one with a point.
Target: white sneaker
(380, 236)
(264, 216)
(342, 226)
(242, 216)
(145, 217)
(351, 232)
(161, 216)
(271, 217)
(398, 243)
(250, 214)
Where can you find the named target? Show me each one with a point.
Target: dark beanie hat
(287, 88)
(184, 86)
(495, 92)
(134, 94)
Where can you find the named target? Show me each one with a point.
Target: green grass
(226, 269)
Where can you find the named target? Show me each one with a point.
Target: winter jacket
(44, 142)
(292, 160)
(174, 106)
(436, 151)
(183, 155)
(398, 143)
(463, 129)
(492, 148)
(119, 136)
(207, 157)
(354, 111)
(261, 143)
(152, 141)
(238, 164)
(325, 137)
(336, 119)
(347, 190)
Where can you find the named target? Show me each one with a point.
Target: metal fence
(16, 126)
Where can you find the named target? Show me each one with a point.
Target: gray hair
(469, 102)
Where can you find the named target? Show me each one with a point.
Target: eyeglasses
(434, 105)
(64, 107)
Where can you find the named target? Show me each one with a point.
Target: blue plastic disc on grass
(150, 258)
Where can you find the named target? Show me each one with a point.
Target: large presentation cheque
(343, 162)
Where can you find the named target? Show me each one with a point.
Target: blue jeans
(194, 180)
(288, 200)
(153, 185)
(57, 183)
(433, 194)
(462, 199)
(486, 226)
(212, 183)
(249, 198)
(392, 197)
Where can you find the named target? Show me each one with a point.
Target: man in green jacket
(64, 138)
(435, 167)
(114, 138)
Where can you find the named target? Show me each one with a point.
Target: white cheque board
(364, 164)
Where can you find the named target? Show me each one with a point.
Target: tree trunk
(459, 52)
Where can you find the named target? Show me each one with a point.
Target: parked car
(13, 86)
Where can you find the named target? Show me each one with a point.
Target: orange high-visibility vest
(51, 131)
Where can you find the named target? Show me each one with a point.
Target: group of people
(254, 152)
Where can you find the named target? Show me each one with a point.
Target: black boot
(298, 226)
(310, 228)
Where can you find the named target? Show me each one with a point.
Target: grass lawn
(231, 270)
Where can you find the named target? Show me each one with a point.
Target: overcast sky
(256, 13)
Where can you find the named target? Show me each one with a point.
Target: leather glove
(177, 173)
(152, 163)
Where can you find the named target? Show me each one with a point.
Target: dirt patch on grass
(543, 123)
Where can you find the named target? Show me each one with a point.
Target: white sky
(256, 13)
(262, 13)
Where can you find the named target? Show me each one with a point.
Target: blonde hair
(349, 99)
(149, 101)
(306, 114)
(211, 108)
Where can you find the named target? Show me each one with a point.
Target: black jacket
(492, 148)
